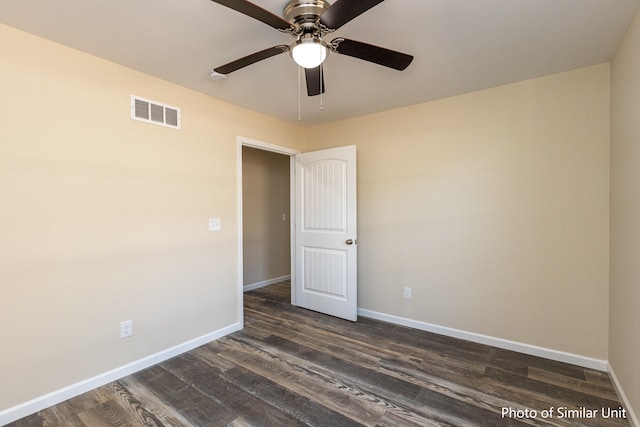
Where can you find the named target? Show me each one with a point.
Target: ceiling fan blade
(343, 11)
(315, 80)
(251, 59)
(371, 53)
(256, 12)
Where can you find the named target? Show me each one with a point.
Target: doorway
(322, 225)
(265, 182)
(266, 201)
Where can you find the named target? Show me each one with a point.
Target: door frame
(242, 141)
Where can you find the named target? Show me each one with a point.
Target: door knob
(349, 242)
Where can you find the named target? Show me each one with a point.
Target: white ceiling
(459, 46)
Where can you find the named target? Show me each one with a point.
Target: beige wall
(104, 219)
(493, 206)
(266, 237)
(624, 347)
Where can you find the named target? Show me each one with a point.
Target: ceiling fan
(308, 21)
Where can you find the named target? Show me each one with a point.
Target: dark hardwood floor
(293, 367)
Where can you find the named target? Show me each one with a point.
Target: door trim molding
(242, 141)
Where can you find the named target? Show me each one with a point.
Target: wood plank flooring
(294, 367)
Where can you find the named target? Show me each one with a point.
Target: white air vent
(154, 112)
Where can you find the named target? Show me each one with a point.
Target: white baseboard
(31, 407)
(533, 350)
(265, 283)
(631, 416)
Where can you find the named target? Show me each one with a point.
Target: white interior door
(325, 232)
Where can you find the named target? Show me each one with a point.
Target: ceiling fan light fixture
(309, 51)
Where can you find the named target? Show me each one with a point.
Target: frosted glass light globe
(309, 52)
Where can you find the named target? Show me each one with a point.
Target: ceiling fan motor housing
(304, 13)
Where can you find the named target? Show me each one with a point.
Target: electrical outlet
(126, 328)
(214, 224)
(407, 293)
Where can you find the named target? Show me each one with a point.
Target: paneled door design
(325, 232)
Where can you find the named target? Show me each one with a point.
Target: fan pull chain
(299, 96)
(321, 86)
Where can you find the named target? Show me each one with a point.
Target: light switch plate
(214, 224)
